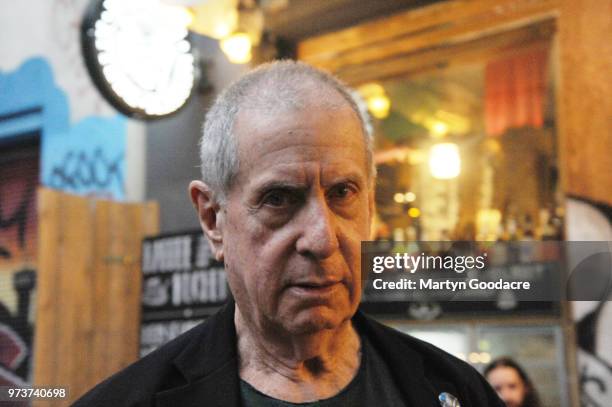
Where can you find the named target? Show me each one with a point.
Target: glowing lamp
(444, 161)
(237, 48)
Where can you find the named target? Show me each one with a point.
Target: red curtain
(515, 87)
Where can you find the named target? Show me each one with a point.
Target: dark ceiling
(293, 20)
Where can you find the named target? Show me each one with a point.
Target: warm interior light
(488, 221)
(474, 357)
(377, 100)
(379, 106)
(485, 357)
(371, 89)
(444, 161)
(237, 48)
(222, 29)
(215, 18)
(439, 129)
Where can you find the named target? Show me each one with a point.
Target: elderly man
(286, 199)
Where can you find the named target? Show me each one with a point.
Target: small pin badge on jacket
(448, 400)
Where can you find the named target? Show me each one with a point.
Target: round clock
(139, 55)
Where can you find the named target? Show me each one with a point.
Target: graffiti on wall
(18, 181)
(89, 159)
(16, 332)
(81, 170)
(594, 359)
(84, 158)
(16, 220)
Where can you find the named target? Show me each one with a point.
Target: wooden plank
(487, 21)
(44, 362)
(146, 223)
(101, 353)
(585, 105)
(121, 235)
(75, 319)
(88, 288)
(63, 357)
(119, 325)
(82, 286)
(397, 25)
(480, 50)
(132, 289)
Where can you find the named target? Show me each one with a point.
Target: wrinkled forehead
(316, 133)
(270, 101)
(256, 121)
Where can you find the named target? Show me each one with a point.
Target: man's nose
(318, 229)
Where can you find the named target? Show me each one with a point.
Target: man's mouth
(315, 287)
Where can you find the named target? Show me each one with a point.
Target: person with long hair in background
(511, 382)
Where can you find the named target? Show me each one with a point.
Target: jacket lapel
(405, 364)
(219, 389)
(209, 364)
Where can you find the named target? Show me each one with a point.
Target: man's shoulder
(136, 384)
(443, 371)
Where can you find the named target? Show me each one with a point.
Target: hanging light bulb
(237, 48)
(444, 161)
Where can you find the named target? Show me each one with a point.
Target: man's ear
(210, 215)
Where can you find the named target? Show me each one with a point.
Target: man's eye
(341, 191)
(279, 199)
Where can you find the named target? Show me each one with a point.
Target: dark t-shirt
(372, 385)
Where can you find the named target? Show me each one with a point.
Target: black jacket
(200, 368)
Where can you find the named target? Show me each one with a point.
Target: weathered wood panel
(437, 25)
(87, 320)
(584, 98)
(479, 50)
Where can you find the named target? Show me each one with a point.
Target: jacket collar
(209, 364)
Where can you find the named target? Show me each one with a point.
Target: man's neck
(300, 368)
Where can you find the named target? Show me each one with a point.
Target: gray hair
(274, 86)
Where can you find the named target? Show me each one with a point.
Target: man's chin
(314, 320)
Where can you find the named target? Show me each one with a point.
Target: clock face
(139, 55)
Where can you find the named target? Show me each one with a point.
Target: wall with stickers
(55, 131)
